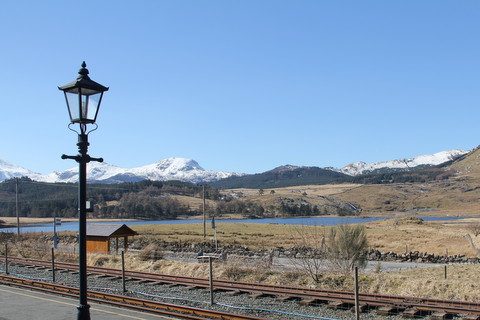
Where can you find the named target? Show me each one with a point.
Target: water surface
(308, 221)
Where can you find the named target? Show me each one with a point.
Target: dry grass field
(394, 235)
(320, 195)
(461, 282)
(390, 235)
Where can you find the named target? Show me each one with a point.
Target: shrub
(151, 252)
(347, 247)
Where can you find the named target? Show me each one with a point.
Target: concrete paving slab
(19, 304)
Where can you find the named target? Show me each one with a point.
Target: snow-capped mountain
(358, 168)
(9, 171)
(189, 170)
(182, 169)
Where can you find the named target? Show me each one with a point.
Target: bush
(347, 247)
(151, 252)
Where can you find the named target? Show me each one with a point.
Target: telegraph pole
(16, 206)
(204, 216)
(55, 237)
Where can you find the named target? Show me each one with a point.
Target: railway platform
(22, 304)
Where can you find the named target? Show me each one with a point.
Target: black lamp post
(83, 97)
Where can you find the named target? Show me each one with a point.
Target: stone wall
(303, 252)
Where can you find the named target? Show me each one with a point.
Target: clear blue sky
(242, 85)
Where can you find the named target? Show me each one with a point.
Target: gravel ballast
(267, 308)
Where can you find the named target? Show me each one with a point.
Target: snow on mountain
(358, 168)
(9, 171)
(182, 169)
(95, 172)
(189, 170)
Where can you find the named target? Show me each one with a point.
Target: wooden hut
(99, 236)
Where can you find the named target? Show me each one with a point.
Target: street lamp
(83, 97)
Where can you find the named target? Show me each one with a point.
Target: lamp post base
(83, 312)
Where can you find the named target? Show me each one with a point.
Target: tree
(310, 243)
(261, 191)
(272, 191)
(347, 247)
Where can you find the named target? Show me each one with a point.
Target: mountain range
(188, 170)
(358, 168)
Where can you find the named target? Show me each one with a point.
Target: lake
(310, 221)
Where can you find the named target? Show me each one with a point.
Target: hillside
(468, 166)
(146, 199)
(455, 190)
(283, 176)
(451, 188)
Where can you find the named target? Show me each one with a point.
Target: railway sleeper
(40, 268)
(129, 279)
(236, 292)
(105, 276)
(195, 287)
(143, 281)
(389, 310)
(440, 315)
(470, 317)
(155, 283)
(173, 285)
(343, 305)
(259, 295)
(288, 298)
(312, 302)
(415, 313)
(363, 307)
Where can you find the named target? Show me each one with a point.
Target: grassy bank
(396, 235)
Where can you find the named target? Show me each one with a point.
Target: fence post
(210, 280)
(6, 258)
(357, 306)
(123, 272)
(53, 264)
(445, 272)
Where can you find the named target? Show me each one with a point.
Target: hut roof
(109, 230)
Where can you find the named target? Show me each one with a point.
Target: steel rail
(177, 311)
(372, 300)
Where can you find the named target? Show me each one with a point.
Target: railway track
(165, 309)
(384, 304)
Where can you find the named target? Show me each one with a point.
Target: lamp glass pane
(84, 108)
(72, 104)
(93, 104)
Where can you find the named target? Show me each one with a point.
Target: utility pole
(357, 302)
(55, 237)
(214, 227)
(210, 279)
(16, 206)
(204, 216)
